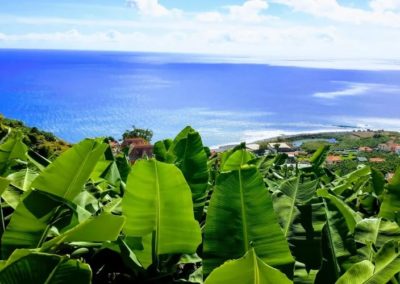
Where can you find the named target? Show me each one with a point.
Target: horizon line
(375, 64)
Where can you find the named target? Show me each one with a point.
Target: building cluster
(390, 147)
(135, 148)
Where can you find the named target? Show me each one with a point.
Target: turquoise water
(78, 94)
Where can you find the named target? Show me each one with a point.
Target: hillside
(347, 150)
(42, 142)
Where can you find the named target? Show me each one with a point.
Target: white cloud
(247, 30)
(152, 8)
(209, 17)
(332, 10)
(250, 11)
(357, 89)
(385, 5)
(369, 122)
(352, 90)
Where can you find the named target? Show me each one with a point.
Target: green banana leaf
(241, 214)
(191, 159)
(350, 216)
(158, 200)
(318, 158)
(3, 185)
(358, 273)
(224, 156)
(387, 265)
(67, 175)
(376, 231)
(378, 181)
(249, 269)
(303, 224)
(11, 151)
(338, 245)
(22, 179)
(303, 275)
(64, 179)
(347, 181)
(33, 267)
(299, 193)
(12, 196)
(105, 227)
(188, 154)
(391, 199)
(32, 220)
(26, 230)
(161, 151)
(236, 160)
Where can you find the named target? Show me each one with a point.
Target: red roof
(376, 160)
(333, 158)
(134, 141)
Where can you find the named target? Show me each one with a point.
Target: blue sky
(291, 29)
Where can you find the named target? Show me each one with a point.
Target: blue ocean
(78, 94)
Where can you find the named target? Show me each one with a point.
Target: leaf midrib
(244, 219)
(330, 239)
(292, 207)
(157, 204)
(50, 277)
(256, 270)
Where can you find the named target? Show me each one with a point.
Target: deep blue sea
(78, 94)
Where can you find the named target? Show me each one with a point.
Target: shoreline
(304, 135)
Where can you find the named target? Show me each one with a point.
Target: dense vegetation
(186, 216)
(42, 142)
(136, 132)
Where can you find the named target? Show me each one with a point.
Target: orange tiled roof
(333, 158)
(365, 149)
(376, 160)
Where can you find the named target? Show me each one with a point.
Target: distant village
(297, 154)
(357, 153)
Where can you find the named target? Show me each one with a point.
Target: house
(389, 176)
(362, 159)
(280, 147)
(365, 149)
(138, 148)
(384, 147)
(331, 159)
(252, 147)
(376, 160)
(389, 147)
(133, 141)
(140, 151)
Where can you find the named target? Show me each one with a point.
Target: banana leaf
(158, 201)
(249, 269)
(33, 267)
(241, 215)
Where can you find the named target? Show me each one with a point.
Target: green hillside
(42, 142)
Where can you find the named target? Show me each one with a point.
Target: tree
(146, 134)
